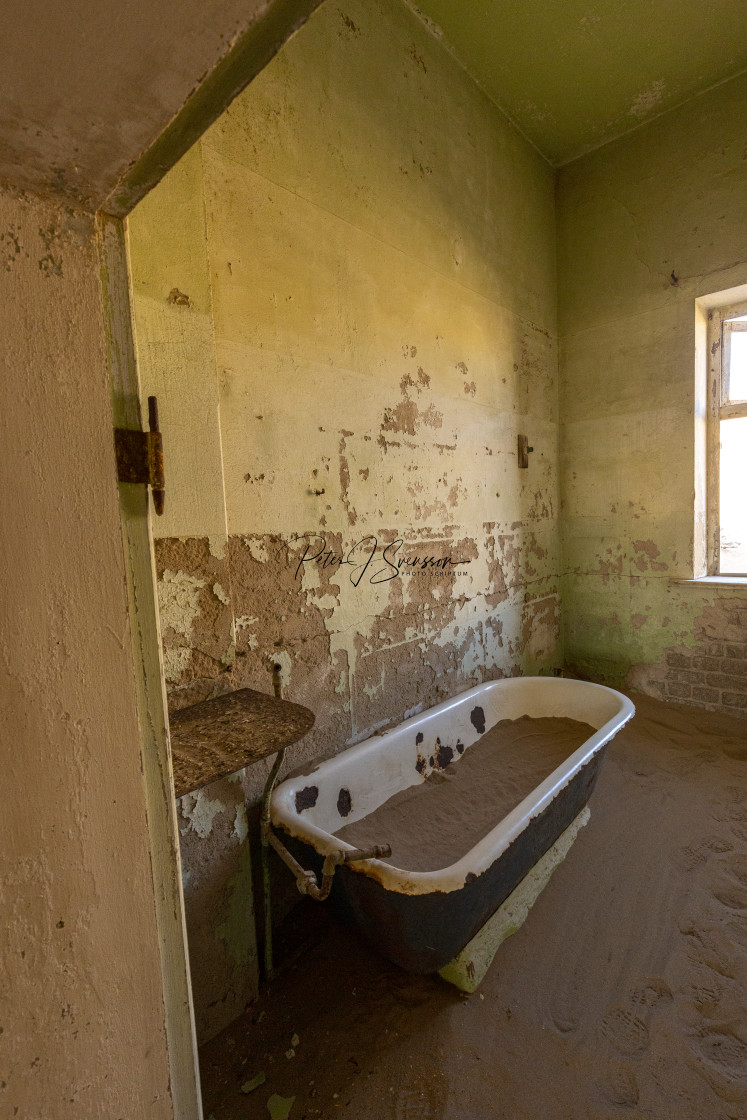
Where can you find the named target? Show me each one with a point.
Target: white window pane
(733, 496)
(738, 366)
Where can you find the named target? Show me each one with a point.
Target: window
(727, 440)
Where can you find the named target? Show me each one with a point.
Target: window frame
(719, 408)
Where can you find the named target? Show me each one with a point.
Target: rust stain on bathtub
(344, 802)
(477, 719)
(444, 755)
(306, 798)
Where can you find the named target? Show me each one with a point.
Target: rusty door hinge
(523, 451)
(140, 456)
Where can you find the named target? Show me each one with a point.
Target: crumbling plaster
(345, 300)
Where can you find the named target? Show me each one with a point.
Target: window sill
(714, 581)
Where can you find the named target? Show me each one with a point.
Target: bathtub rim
(495, 842)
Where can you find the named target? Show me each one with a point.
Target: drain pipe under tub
(265, 835)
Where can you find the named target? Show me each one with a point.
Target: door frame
(279, 20)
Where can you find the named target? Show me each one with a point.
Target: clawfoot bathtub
(422, 920)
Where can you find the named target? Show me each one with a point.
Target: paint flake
(201, 810)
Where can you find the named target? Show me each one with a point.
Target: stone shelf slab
(217, 737)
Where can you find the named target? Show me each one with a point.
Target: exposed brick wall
(714, 674)
(712, 671)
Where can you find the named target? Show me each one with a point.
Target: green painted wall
(647, 225)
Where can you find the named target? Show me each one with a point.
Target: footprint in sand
(739, 829)
(413, 1104)
(702, 1002)
(565, 1024)
(730, 895)
(564, 1016)
(649, 992)
(710, 948)
(692, 856)
(625, 1031)
(730, 814)
(564, 1011)
(621, 1086)
(736, 935)
(707, 1001)
(735, 865)
(724, 1051)
(731, 807)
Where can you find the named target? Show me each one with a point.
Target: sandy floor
(623, 996)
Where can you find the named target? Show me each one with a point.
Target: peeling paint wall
(647, 225)
(345, 301)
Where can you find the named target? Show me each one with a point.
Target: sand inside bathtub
(436, 822)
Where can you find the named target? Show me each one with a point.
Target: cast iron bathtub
(421, 920)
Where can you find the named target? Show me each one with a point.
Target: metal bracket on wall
(140, 456)
(524, 450)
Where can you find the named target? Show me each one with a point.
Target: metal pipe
(306, 881)
(264, 837)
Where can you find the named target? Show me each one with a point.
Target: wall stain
(178, 299)
(345, 478)
(351, 27)
(10, 245)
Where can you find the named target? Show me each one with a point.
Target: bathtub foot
(467, 969)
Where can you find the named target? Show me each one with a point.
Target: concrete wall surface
(82, 1029)
(345, 301)
(646, 226)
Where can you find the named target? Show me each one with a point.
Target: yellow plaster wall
(647, 225)
(379, 246)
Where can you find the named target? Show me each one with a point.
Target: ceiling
(573, 74)
(87, 86)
